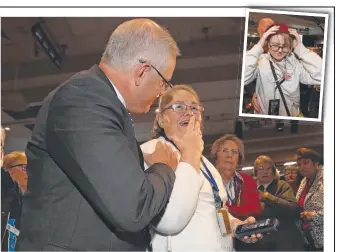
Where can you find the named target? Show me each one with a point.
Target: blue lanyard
(234, 200)
(209, 177)
(215, 188)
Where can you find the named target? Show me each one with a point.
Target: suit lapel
(133, 141)
(272, 187)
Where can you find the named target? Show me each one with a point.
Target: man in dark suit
(278, 201)
(87, 189)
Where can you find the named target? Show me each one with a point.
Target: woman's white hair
(140, 39)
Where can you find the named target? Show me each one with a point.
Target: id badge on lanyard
(223, 221)
(221, 212)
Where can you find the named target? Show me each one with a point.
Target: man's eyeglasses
(262, 169)
(233, 152)
(276, 48)
(20, 166)
(182, 108)
(166, 82)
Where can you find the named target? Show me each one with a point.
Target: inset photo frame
(283, 65)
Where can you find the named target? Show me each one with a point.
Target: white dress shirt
(119, 95)
(264, 185)
(190, 220)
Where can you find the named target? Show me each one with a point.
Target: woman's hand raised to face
(191, 144)
(265, 35)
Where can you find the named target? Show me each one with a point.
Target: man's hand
(297, 39)
(307, 216)
(255, 103)
(251, 220)
(191, 144)
(163, 153)
(263, 195)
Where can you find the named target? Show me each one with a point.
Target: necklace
(283, 69)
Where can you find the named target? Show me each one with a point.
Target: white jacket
(307, 69)
(189, 222)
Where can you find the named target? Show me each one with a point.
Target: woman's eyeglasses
(276, 48)
(262, 169)
(233, 151)
(182, 108)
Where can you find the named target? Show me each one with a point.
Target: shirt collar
(264, 185)
(119, 95)
(236, 174)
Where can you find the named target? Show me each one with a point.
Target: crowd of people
(91, 186)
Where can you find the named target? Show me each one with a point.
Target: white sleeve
(310, 65)
(251, 64)
(183, 200)
(184, 196)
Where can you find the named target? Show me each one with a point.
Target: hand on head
(297, 39)
(265, 35)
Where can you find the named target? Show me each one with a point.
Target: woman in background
(293, 176)
(242, 195)
(310, 196)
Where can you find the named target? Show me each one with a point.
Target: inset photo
(283, 65)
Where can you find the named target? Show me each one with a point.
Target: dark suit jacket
(281, 203)
(87, 188)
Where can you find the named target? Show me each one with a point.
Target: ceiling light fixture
(290, 163)
(40, 33)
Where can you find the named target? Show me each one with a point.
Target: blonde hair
(164, 100)
(3, 136)
(14, 158)
(219, 142)
(291, 168)
(262, 160)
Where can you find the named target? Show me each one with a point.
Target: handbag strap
(278, 85)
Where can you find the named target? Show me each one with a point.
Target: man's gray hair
(140, 39)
